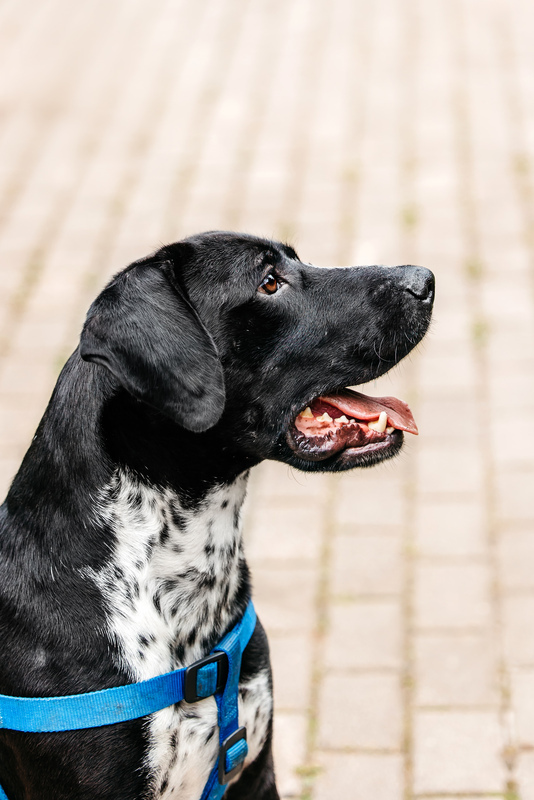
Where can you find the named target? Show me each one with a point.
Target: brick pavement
(399, 601)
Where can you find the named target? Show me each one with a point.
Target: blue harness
(217, 674)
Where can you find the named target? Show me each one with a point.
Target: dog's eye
(269, 284)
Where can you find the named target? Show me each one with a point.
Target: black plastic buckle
(224, 777)
(190, 679)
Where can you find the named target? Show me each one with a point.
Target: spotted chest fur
(170, 589)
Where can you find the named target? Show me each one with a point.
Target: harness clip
(232, 754)
(206, 677)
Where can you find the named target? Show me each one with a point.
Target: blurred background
(399, 601)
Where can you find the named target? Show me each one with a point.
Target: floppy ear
(148, 335)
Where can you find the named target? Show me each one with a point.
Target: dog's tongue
(361, 406)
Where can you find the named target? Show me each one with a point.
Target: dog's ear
(146, 332)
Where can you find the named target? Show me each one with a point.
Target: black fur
(186, 376)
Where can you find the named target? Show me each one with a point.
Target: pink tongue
(361, 406)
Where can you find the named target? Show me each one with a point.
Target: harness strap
(205, 678)
(91, 710)
(232, 738)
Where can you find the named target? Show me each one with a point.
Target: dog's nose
(419, 282)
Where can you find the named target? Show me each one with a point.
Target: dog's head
(237, 341)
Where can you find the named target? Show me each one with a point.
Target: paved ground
(399, 601)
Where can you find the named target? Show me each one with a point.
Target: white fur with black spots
(170, 587)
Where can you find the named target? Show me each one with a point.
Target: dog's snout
(418, 282)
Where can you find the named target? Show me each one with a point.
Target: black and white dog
(121, 555)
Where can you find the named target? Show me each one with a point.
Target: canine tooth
(390, 429)
(379, 425)
(307, 413)
(325, 417)
(342, 419)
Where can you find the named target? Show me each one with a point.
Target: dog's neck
(148, 549)
(177, 578)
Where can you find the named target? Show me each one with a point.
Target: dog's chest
(170, 587)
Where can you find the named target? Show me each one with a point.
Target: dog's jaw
(172, 588)
(347, 427)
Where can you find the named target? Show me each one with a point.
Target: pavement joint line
(372, 670)
(367, 751)
(455, 708)
(139, 145)
(348, 224)
(256, 109)
(518, 592)
(31, 272)
(230, 28)
(473, 248)
(117, 204)
(522, 168)
(447, 559)
(291, 196)
(450, 630)
(364, 598)
(318, 639)
(35, 262)
(26, 163)
(411, 45)
(461, 795)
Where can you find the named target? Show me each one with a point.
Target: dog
(121, 555)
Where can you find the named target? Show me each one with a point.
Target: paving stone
(449, 418)
(364, 635)
(516, 555)
(285, 598)
(511, 380)
(26, 377)
(362, 501)
(452, 527)
(510, 451)
(366, 565)
(277, 482)
(359, 777)
(525, 775)
(457, 752)
(518, 633)
(523, 706)
(281, 533)
(514, 494)
(8, 469)
(448, 468)
(506, 346)
(363, 711)
(455, 671)
(18, 421)
(452, 323)
(452, 595)
(289, 752)
(447, 372)
(292, 656)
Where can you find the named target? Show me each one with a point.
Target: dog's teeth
(325, 417)
(342, 419)
(390, 429)
(380, 424)
(307, 413)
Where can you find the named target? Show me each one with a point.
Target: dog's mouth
(350, 421)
